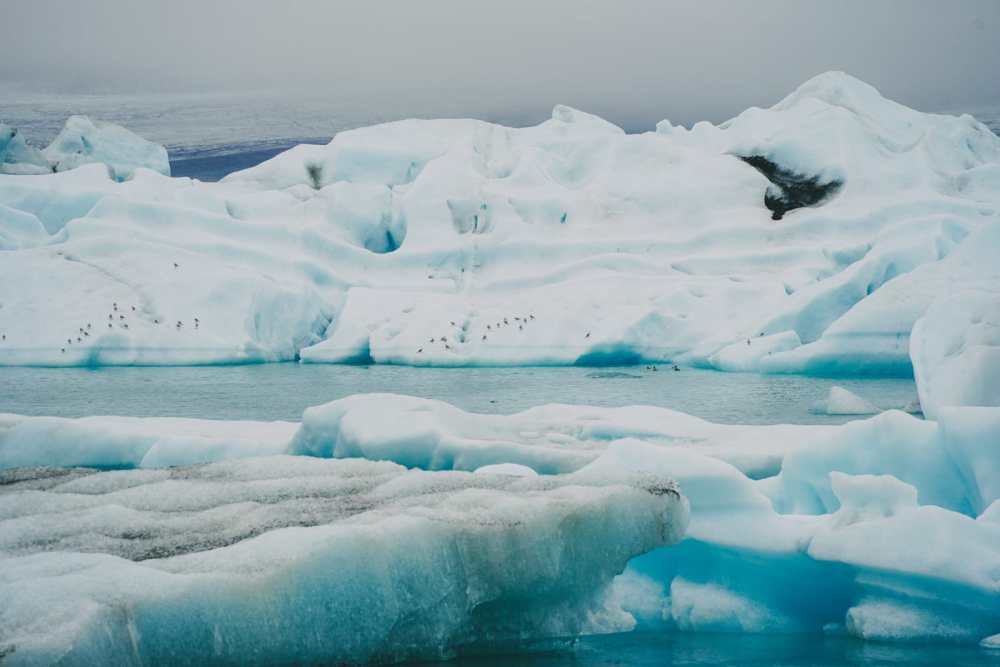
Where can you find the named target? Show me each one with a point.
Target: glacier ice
(82, 141)
(460, 242)
(296, 559)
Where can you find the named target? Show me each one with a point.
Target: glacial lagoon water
(779, 650)
(282, 391)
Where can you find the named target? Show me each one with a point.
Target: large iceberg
(460, 242)
(296, 560)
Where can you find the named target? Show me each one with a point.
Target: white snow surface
(460, 242)
(888, 527)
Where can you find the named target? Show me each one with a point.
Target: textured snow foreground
(459, 242)
(500, 528)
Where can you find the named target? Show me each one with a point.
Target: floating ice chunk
(294, 558)
(550, 439)
(119, 442)
(840, 401)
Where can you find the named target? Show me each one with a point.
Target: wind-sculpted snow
(460, 242)
(299, 560)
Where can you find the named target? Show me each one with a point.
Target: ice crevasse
(806, 237)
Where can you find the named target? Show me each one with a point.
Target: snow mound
(840, 401)
(461, 242)
(296, 559)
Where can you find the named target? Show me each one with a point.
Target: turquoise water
(282, 391)
(654, 650)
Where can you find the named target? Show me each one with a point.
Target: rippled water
(282, 391)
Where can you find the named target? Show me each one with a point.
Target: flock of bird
(512, 321)
(515, 320)
(115, 317)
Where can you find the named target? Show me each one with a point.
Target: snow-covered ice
(460, 242)
(296, 559)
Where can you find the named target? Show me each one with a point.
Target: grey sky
(633, 62)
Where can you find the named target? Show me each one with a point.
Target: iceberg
(460, 242)
(296, 559)
(840, 401)
(82, 141)
(886, 528)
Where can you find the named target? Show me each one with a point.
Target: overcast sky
(633, 62)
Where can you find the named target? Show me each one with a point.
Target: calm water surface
(282, 391)
(654, 650)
